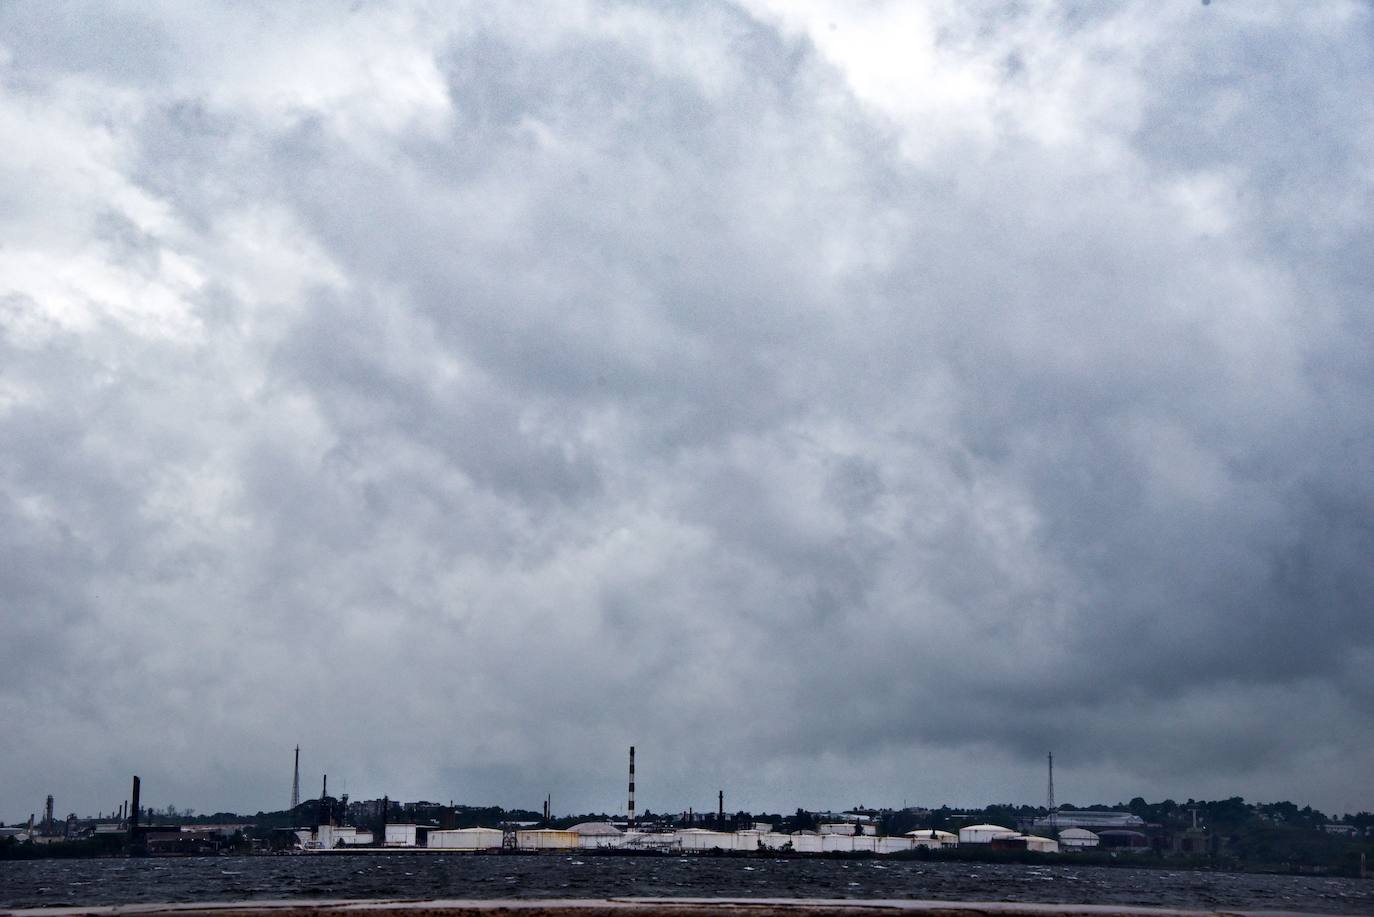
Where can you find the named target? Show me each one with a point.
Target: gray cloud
(466, 396)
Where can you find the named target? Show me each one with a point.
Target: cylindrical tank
(894, 844)
(843, 843)
(465, 839)
(546, 839)
(983, 834)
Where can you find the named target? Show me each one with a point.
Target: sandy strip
(631, 907)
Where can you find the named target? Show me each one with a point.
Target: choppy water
(37, 883)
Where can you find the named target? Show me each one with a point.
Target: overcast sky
(843, 403)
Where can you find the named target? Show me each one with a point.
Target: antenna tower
(296, 781)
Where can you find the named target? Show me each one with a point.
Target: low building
(1091, 819)
(1121, 839)
(1191, 842)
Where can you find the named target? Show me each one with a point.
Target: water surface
(36, 883)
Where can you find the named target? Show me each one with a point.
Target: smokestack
(1049, 796)
(47, 815)
(133, 809)
(720, 815)
(296, 781)
(631, 822)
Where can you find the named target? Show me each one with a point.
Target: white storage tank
(808, 843)
(837, 827)
(842, 843)
(930, 837)
(342, 836)
(651, 840)
(1077, 839)
(596, 834)
(1040, 844)
(866, 842)
(465, 839)
(702, 839)
(894, 844)
(546, 839)
(400, 835)
(776, 840)
(983, 834)
(747, 840)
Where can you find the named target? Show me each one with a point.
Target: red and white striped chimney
(631, 824)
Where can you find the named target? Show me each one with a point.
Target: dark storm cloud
(810, 411)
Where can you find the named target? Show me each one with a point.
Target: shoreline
(633, 907)
(1102, 860)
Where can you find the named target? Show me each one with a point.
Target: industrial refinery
(325, 824)
(850, 835)
(609, 837)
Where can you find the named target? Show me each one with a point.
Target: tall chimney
(135, 842)
(1049, 796)
(133, 809)
(631, 822)
(720, 815)
(296, 781)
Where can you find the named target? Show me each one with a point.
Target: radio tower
(1049, 800)
(631, 823)
(296, 781)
